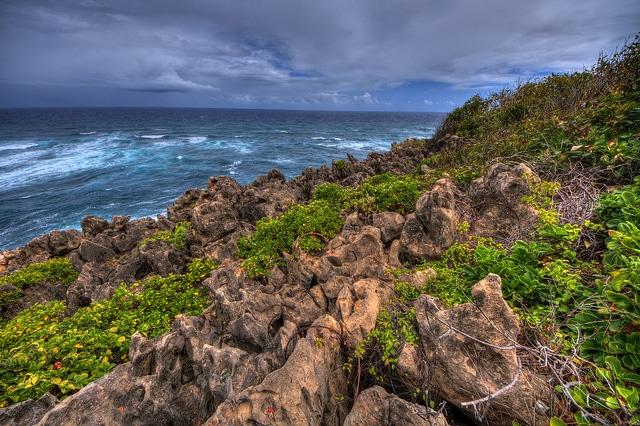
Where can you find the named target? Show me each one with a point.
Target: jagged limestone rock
(498, 196)
(298, 392)
(471, 351)
(429, 231)
(376, 407)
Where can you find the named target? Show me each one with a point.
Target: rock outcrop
(498, 199)
(429, 231)
(471, 350)
(375, 406)
(271, 351)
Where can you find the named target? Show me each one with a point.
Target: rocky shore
(273, 350)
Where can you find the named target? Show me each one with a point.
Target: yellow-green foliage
(314, 223)
(177, 237)
(41, 350)
(53, 270)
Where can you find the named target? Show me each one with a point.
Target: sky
(393, 55)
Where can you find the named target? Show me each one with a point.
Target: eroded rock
(374, 406)
(429, 231)
(471, 350)
(298, 392)
(498, 198)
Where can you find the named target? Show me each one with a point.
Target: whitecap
(196, 139)
(318, 138)
(88, 133)
(151, 136)
(283, 131)
(232, 168)
(15, 146)
(179, 157)
(337, 139)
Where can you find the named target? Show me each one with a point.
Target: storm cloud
(330, 54)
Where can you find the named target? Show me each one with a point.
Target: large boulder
(498, 196)
(376, 407)
(472, 355)
(431, 229)
(298, 392)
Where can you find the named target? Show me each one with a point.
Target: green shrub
(386, 192)
(41, 350)
(330, 193)
(177, 237)
(314, 223)
(53, 270)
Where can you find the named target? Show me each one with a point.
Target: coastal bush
(379, 193)
(387, 192)
(41, 350)
(585, 117)
(610, 315)
(312, 224)
(177, 237)
(53, 270)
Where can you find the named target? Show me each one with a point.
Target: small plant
(53, 270)
(541, 198)
(314, 224)
(177, 237)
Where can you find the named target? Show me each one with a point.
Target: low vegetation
(41, 350)
(315, 223)
(177, 237)
(575, 280)
(53, 270)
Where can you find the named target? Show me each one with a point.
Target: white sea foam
(88, 133)
(286, 160)
(318, 138)
(151, 136)
(179, 157)
(233, 167)
(196, 139)
(16, 146)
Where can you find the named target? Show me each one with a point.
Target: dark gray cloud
(356, 54)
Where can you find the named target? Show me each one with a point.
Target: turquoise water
(57, 165)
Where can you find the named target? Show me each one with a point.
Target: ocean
(58, 165)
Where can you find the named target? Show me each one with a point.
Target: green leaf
(555, 421)
(614, 364)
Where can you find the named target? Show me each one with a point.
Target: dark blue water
(57, 165)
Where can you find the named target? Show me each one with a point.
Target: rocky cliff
(274, 350)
